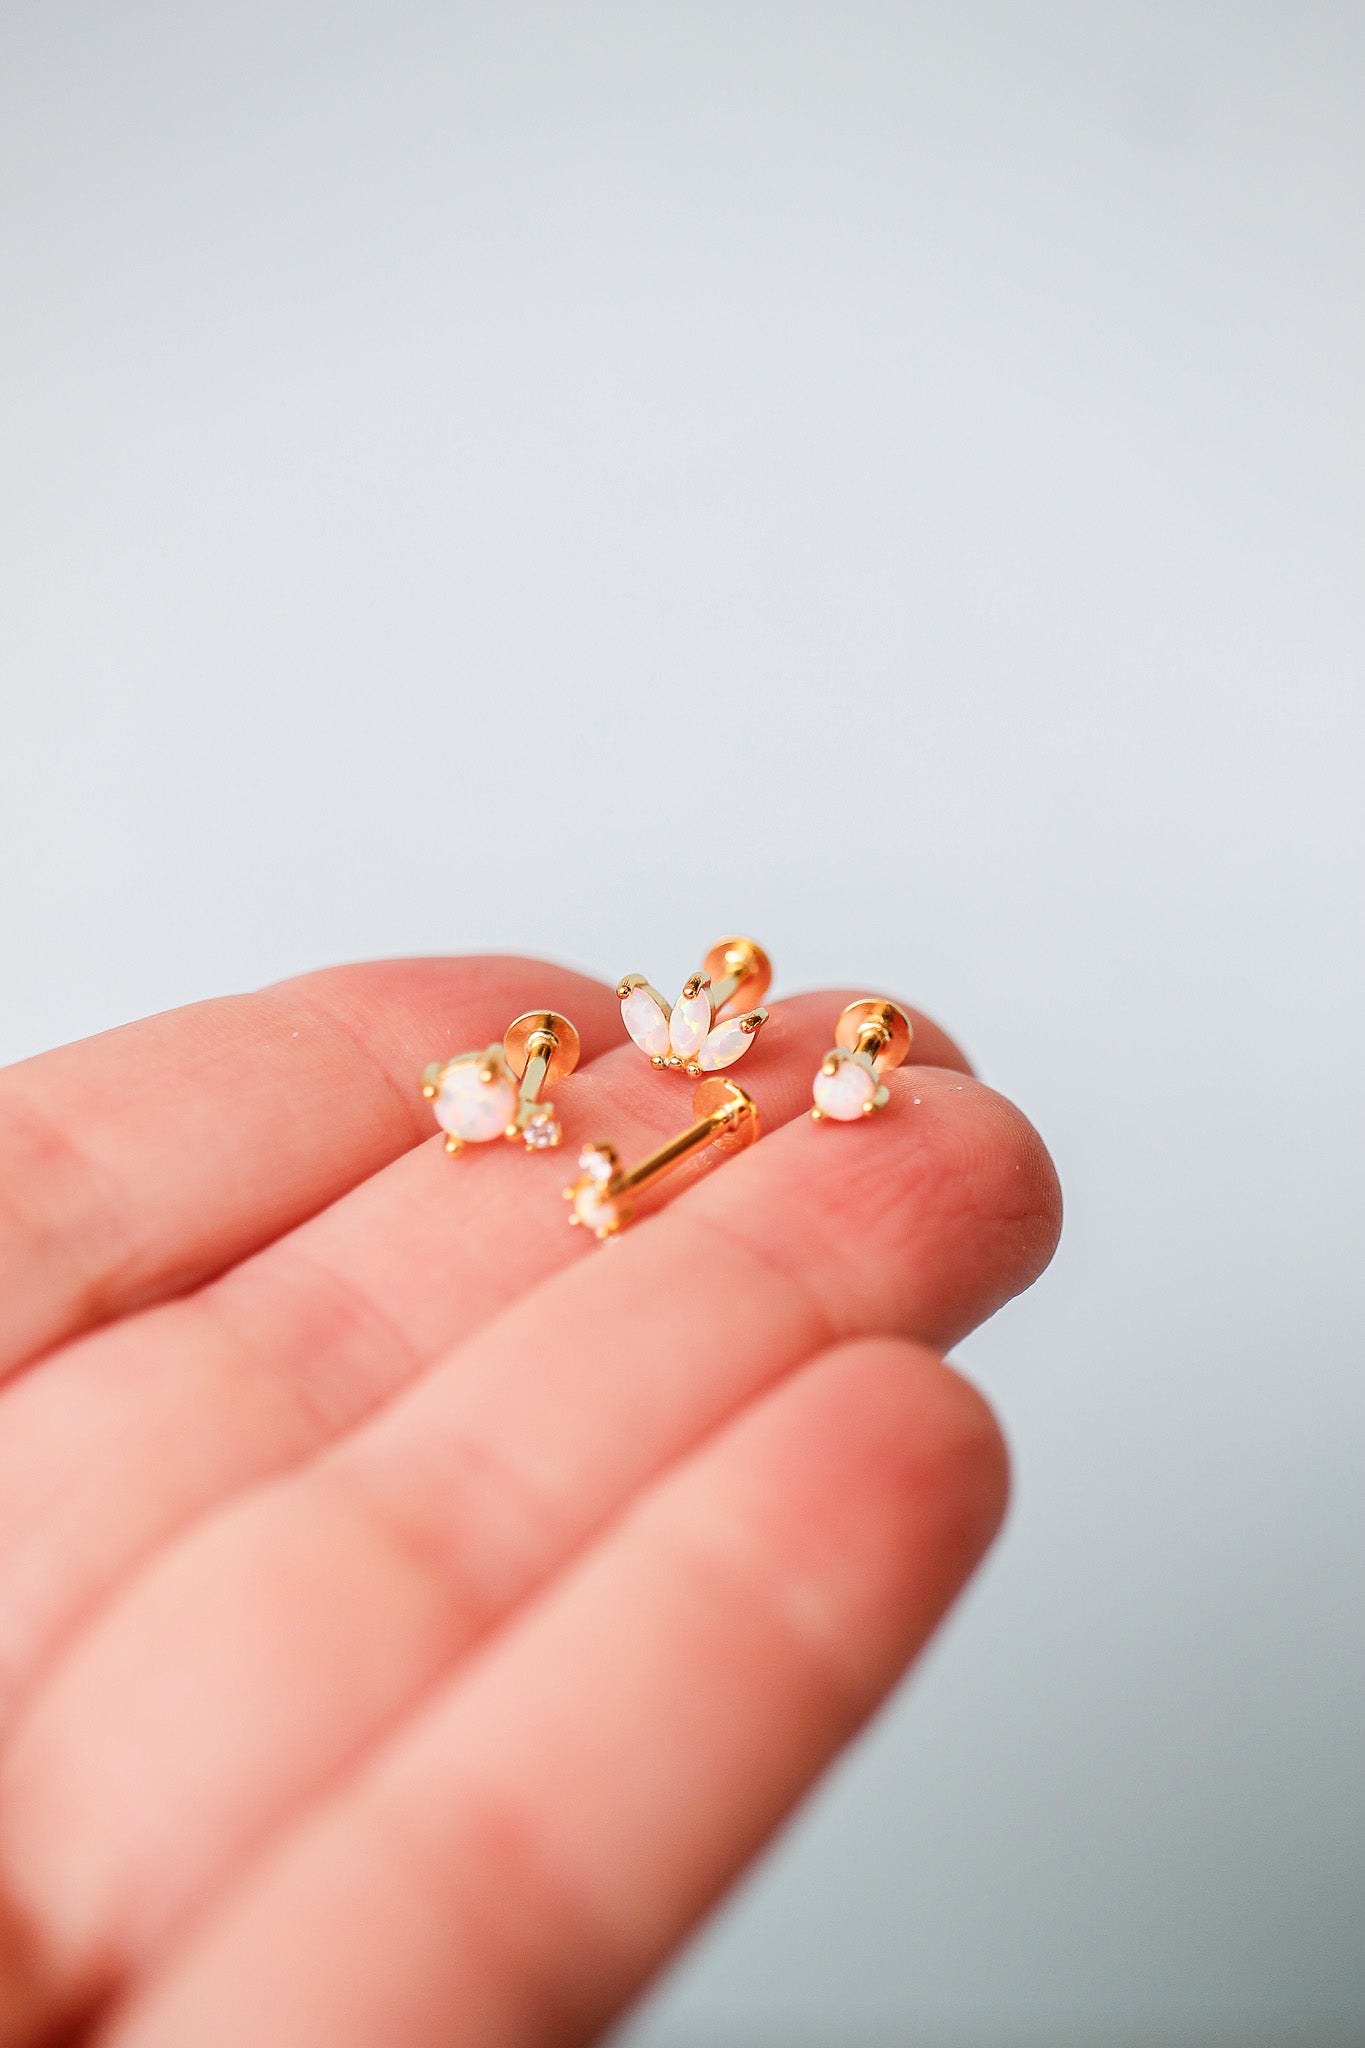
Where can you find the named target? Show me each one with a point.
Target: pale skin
(413, 1614)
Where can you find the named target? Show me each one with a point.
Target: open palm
(411, 1614)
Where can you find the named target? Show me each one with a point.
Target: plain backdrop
(585, 479)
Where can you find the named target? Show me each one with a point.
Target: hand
(412, 1615)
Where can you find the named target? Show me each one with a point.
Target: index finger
(139, 1163)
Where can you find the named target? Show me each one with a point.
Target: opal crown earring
(495, 1093)
(870, 1038)
(727, 1119)
(712, 1024)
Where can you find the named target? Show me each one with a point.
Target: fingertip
(886, 1478)
(955, 1463)
(971, 1181)
(1027, 1191)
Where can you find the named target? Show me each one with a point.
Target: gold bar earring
(495, 1093)
(726, 1118)
(870, 1038)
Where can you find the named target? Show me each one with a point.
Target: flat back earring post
(479, 1096)
(739, 972)
(871, 1037)
(714, 1021)
(727, 1119)
(541, 1048)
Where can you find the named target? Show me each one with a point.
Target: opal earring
(712, 1023)
(870, 1038)
(496, 1093)
(727, 1118)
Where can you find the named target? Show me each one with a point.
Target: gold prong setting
(538, 1127)
(597, 1194)
(473, 1097)
(496, 1093)
(873, 1036)
(704, 1030)
(845, 1088)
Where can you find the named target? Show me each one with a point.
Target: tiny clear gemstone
(597, 1165)
(689, 1024)
(471, 1108)
(723, 1047)
(542, 1131)
(646, 1022)
(843, 1094)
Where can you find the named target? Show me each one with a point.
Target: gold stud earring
(713, 1021)
(726, 1118)
(496, 1093)
(870, 1038)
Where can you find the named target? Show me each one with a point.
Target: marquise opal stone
(845, 1093)
(689, 1024)
(646, 1023)
(473, 1109)
(723, 1047)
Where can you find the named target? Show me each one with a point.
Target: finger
(310, 1615)
(264, 1365)
(138, 1163)
(517, 1862)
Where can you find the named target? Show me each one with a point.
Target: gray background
(586, 479)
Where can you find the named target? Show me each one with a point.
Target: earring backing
(713, 1021)
(870, 1038)
(496, 1093)
(727, 1119)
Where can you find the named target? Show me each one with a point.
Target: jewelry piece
(727, 1119)
(871, 1037)
(703, 1031)
(496, 1093)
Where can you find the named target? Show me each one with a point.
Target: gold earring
(870, 1038)
(496, 1093)
(704, 1030)
(726, 1118)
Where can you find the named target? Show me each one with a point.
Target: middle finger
(256, 1658)
(118, 1440)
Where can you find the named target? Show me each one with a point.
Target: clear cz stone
(646, 1022)
(845, 1093)
(541, 1130)
(689, 1024)
(597, 1165)
(471, 1108)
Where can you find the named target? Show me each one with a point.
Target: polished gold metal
(875, 1034)
(727, 1121)
(540, 1047)
(739, 972)
(537, 1048)
(877, 1026)
(734, 977)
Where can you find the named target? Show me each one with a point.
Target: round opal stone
(593, 1206)
(471, 1108)
(689, 1024)
(646, 1023)
(845, 1093)
(723, 1047)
